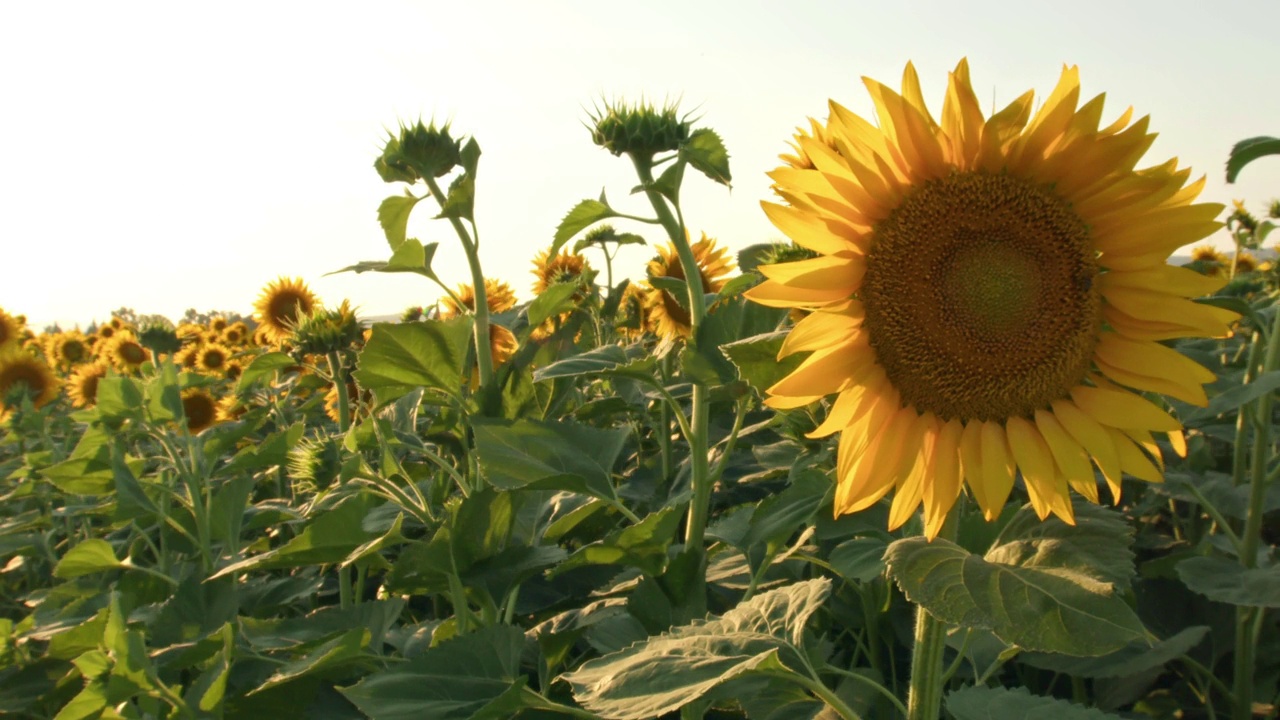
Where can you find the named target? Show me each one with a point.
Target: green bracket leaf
(705, 151)
(582, 216)
(90, 556)
(1227, 581)
(554, 300)
(401, 357)
(393, 216)
(983, 703)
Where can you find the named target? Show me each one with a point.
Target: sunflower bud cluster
(642, 130)
(325, 330)
(314, 463)
(419, 152)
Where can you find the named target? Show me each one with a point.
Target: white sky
(171, 155)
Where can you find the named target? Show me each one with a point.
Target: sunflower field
(966, 444)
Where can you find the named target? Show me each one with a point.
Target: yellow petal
(823, 329)
(913, 470)
(962, 118)
(1165, 279)
(809, 231)
(997, 468)
(772, 294)
(824, 372)
(1094, 438)
(1068, 454)
(1122, 410)
(872, 474)
(826, 272)
(1046, 488)
(971, 461)
(944, 468)
(1132, 460)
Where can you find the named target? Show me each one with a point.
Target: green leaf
(1051, 610)
(1246, 151)
(861, 558)
(705, 151)
(413, 256)
(470, 156)
(554, 300)
(984, 703)
(1264, 229)
(119, 398)
(393, 216)
(1227, 581)
(1128, 661)
(609, 359)
(777, 517)
(472, 677)
(263, 367)
(756, 359)
(163, 394)
(643, 545)
(329, 538)
(666, 672)
(90, 556)
(582, 216)
(87, 471)
(615, 238)
(1234, 398)
(669, 182)
(549, 455)
(1096, 546)
(460, 202)
(337, 652)
(401, 357)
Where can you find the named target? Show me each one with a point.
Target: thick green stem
(700, 469)
(924, 700)
(1241, 448)
(1247, 618)
(340, 385)
(484, 353)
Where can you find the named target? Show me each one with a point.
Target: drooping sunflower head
(564, 267)
(25, 376)
(82, 386)
(10, 331)
(200, 409)
(159, 336)
(125, 352)
(498, 296)
(668, 317)
(987, 297)
(280, 305)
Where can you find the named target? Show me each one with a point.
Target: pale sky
(171, 155)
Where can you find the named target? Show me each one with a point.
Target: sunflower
(200, 409)
(82, 386)
(69, 348)
(230, 407)
(667, 317)
(237, 333)
(10, 331)
(498, 296)
(631, 322)
(218, 323)
(1246, 263)
(281, 304)
(25, 375)
(125, 352)
(564, 267)
(989, 293)
(213, 358)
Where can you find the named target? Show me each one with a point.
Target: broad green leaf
(602, 360)
(401, 357)
(669, 182)
(1046, 609)
(88, 557)
(549, 455)
(1264, 229)
(860, 558)
(554, 300)
(757, 360)
(413, 256)
(615, 238)
(263, 367)
(1096, 546)
(1234, 398)
(643, 545)
(329, 538)
(1227, 581)
(582, 216)
(471, 677)
(342, 650)
(729, 321)
(87, 471)
(776, 518)
(668, 671)
(986, 703)
(272, 450)
(119, 398)
(210, 687)
(1130, 660)
(705, 151)
(163, 394)
(1246, 151)
(470, 156)
(88, 704)
(393, 216)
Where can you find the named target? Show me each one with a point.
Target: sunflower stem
(700, 467)
(340, 386)
(484, 354)
(1241, 448)
(928, 677)
(1248, 618)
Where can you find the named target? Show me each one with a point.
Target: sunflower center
(979, 297)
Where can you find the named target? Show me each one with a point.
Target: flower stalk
(484, 354)
(928, 677)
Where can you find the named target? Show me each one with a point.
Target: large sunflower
(24, 375)
(280, 305)
(667, 317)
(988, 294)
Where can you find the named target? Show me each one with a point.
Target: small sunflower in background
(10, 331)
(125, 352)
(1246, 262)
(69, 349)
(1209, 260)
(564, 267)
(631, 321)
(200, 409)
(498, 295)
(23, 375)
(280, 306)
(236, 334)
(667, 316)
(212, 358)
(218, 323)
(989, 297)
(82, 386)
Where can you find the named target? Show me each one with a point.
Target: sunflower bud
(159, 336)
(314, 464)
(324, 331)
(421, 151)
(642, 131)
(1273, 211)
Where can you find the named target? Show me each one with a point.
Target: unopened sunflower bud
(641, 131)
(420, 151)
